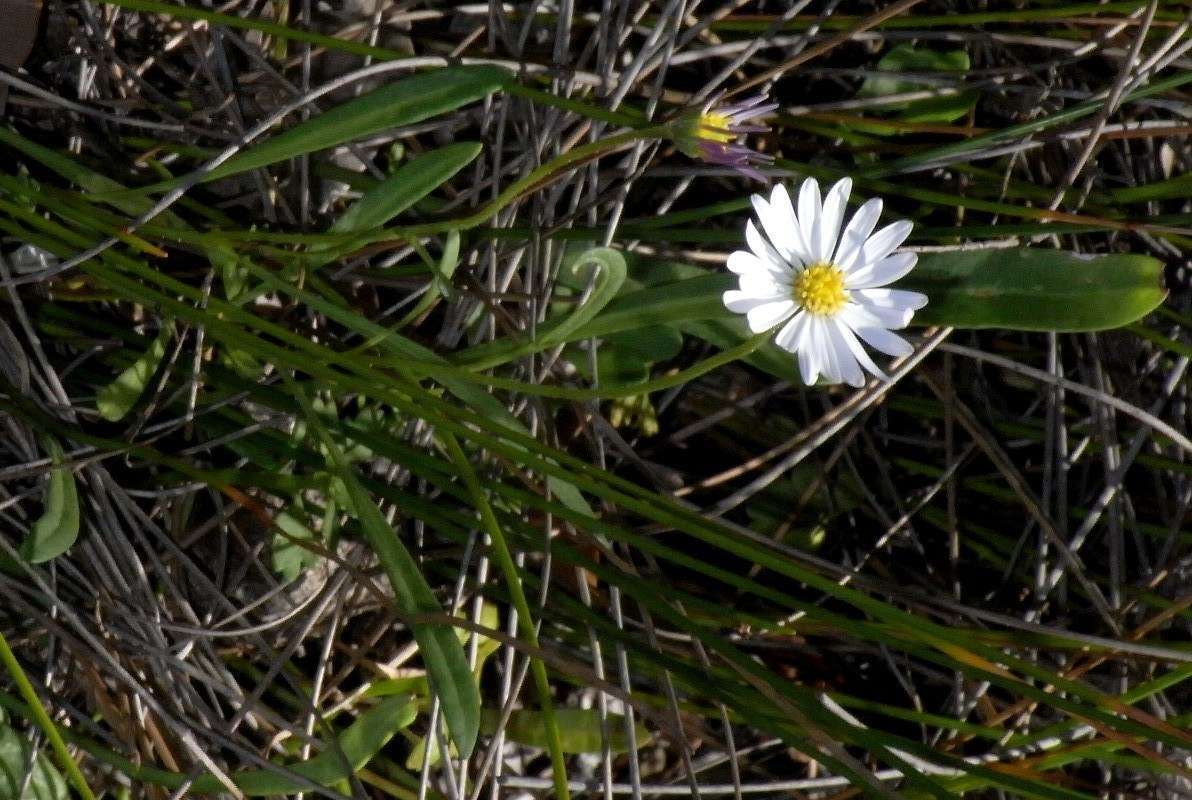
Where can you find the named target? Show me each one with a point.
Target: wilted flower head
(713, 134)
(825, 285)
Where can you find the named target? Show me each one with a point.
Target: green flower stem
(620, 118)
(42, 717)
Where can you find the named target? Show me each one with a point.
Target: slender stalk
(42, 717)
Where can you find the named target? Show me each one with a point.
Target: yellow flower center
(714, 127)
(820, 289)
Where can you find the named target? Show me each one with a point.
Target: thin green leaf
(358, 744)
(444, 657)
(529, 630)
(403, 102)
(446, 662)
(1179, 186)
(405, 187)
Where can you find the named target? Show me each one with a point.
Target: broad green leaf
(45, 783)
(241, 362)
(443, 655)
(289, 559)
(232, 272)
(58, 528)
(579, 732)
(907, 58)
(117, 398)
(688, 298)
(1035, 289)
(1028, 289)
(359, 743)
(579, 729)
(405, 187)
(402, 102)
(627, 357)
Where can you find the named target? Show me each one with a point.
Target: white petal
(781, 207)
(880, 273)
(885, 241)
(808, 366)
(881, 339)
(858, 351)
(856, 232)
(893, 298)
(793, 333)
(829, 364)
(846, 362)
(741, 262)
(762, 248)
(779, 227)
(860, 314)
(767, 315)
(742, 302)
(765, 284)
(812, 363)
(809, 214)
(831, 215)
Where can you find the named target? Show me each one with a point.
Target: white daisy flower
(824, 284)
